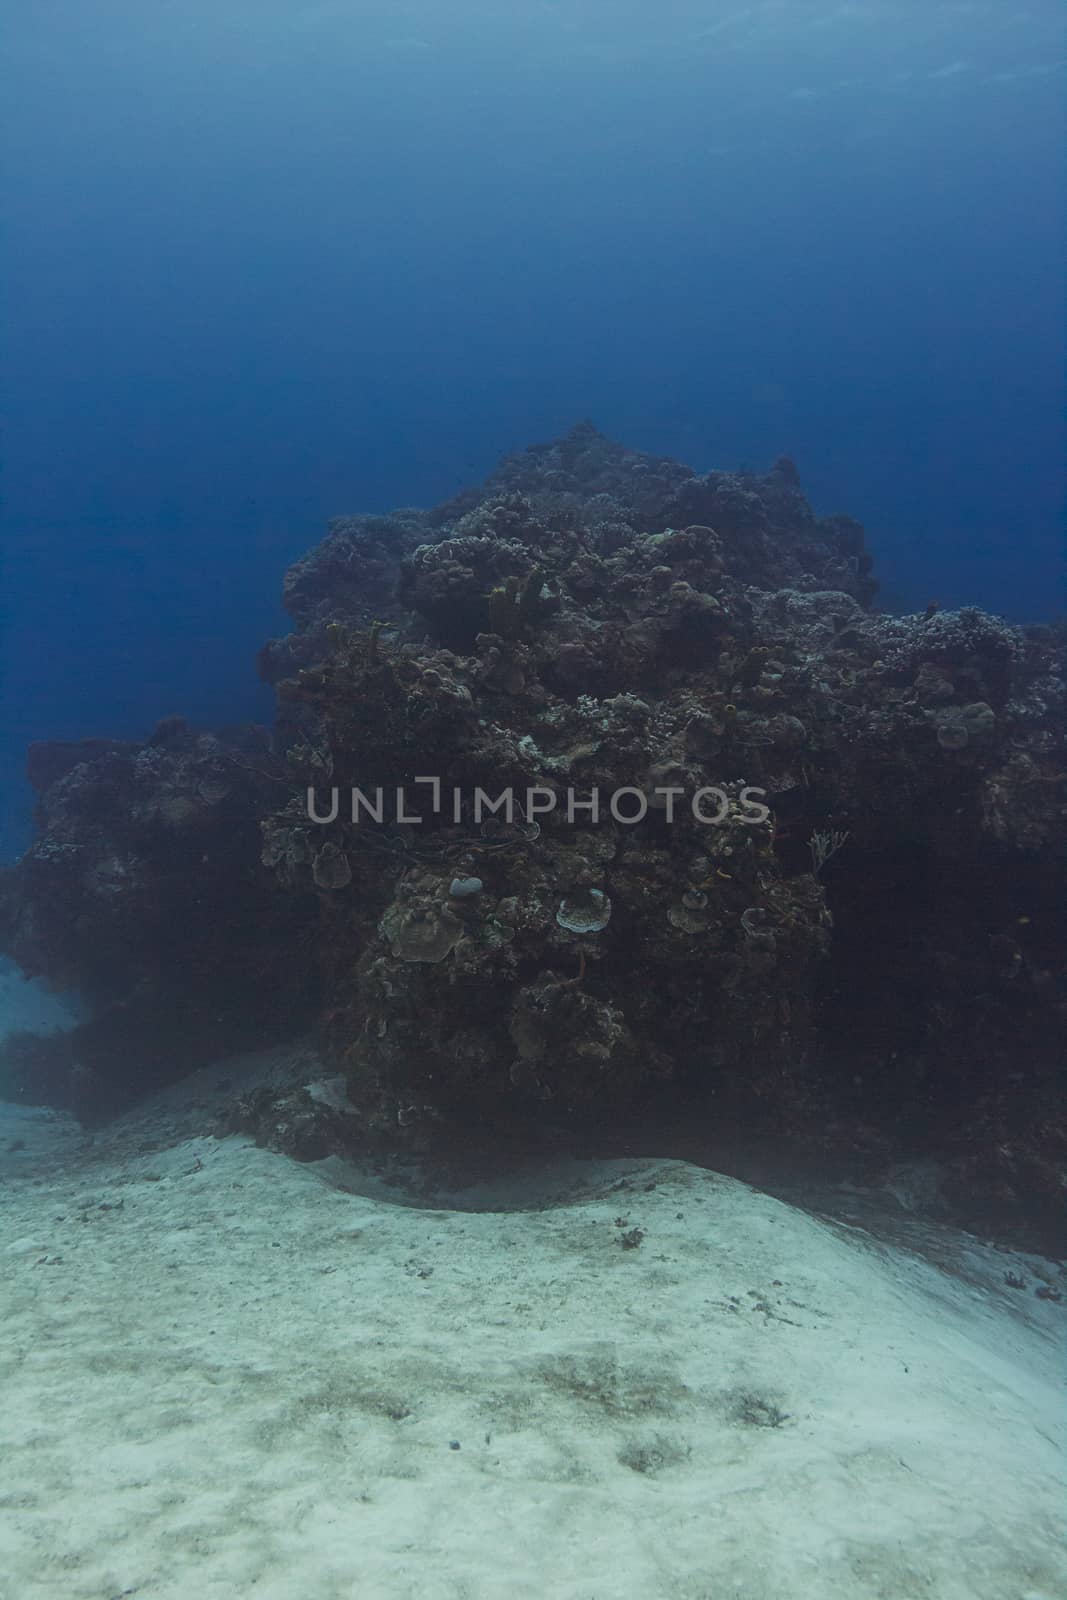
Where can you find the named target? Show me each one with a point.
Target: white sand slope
(225, 1376)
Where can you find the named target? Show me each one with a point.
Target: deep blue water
(266, 262)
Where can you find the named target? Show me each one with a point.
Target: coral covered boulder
(598, 794)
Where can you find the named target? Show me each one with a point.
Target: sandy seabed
(226, 1374)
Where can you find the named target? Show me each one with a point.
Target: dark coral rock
(864, 956)
(296, 1122)
(141, 892)
(351, 575)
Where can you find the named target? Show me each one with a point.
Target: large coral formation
(596, 627)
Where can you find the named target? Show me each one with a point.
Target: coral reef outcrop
(599, 792)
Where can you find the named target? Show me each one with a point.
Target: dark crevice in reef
(871, 973)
